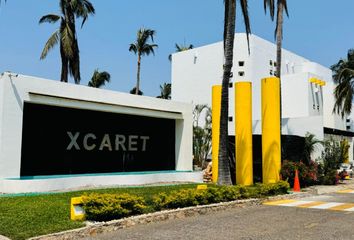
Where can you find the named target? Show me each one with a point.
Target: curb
(4, 238)
(97, 228)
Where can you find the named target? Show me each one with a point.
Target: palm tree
(343, 75)
(181, 48)
(141, 47)
(133, 91)
(281, 7)
(310, 144)
(224, 176)
(99, 79)
(66, 35)
(165, 91)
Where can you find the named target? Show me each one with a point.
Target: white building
(306, 107)
(59, 136)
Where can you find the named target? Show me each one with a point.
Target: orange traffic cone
(296, 182)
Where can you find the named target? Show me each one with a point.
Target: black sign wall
(59, 140)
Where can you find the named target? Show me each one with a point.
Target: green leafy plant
(308, 174)
(201, 135)
(331, 158)
(105, 207)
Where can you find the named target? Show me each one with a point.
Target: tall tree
(165, 91)
(224, 176)
(66, 35)
(282, 7)
(343, 75)
(142, 47)
(181, 48)
(99, 79)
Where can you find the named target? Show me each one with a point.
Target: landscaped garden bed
(26, 216)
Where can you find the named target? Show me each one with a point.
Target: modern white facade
(306, 107)
(16, 90)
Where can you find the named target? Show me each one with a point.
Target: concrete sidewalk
(322, 189)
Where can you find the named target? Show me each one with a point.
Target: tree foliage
(310, 145)
(201, 134)
(99, 79)
(343, 75)
(165, 91)
(133, 91)
(66, 35)
(181, 48)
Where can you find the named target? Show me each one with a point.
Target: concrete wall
(17, 89)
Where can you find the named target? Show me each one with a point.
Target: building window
(270, 62)
(348, 120)
(348, 127)
(241, 63)
(275, 73)
(275, 64)
(271, 72)
(241, 73)
(230, 85)
(230, 119)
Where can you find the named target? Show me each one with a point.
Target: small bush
(105, 207)
(307, 173)
(178, 199)
(192, 197)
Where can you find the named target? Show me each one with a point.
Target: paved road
(264, 222)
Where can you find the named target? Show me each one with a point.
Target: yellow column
(243, 133)
(216, 109)
(271, 150)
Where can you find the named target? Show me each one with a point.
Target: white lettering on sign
(86, 138)
(73, 139)
(106, 142)
(90, 142)
(120, 140)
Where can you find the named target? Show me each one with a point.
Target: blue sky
(317, 30)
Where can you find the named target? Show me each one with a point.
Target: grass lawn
(22, 217)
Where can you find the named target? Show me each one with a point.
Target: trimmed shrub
(307, 174)
(193, 197)
(105, 207)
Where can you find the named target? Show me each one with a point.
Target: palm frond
(67, 40)
(52, 41)
(245, 13)
(148, 49)
(99, 79)
(133, 48)
(142, 45)
(82, 8)
(50, 18)
(271, 5)
(165, 91)
(285, 5)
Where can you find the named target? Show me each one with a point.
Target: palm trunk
(138, 76)
(224, 176)
(279, 36)
(64, 65)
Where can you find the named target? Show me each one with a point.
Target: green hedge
(104, 207)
